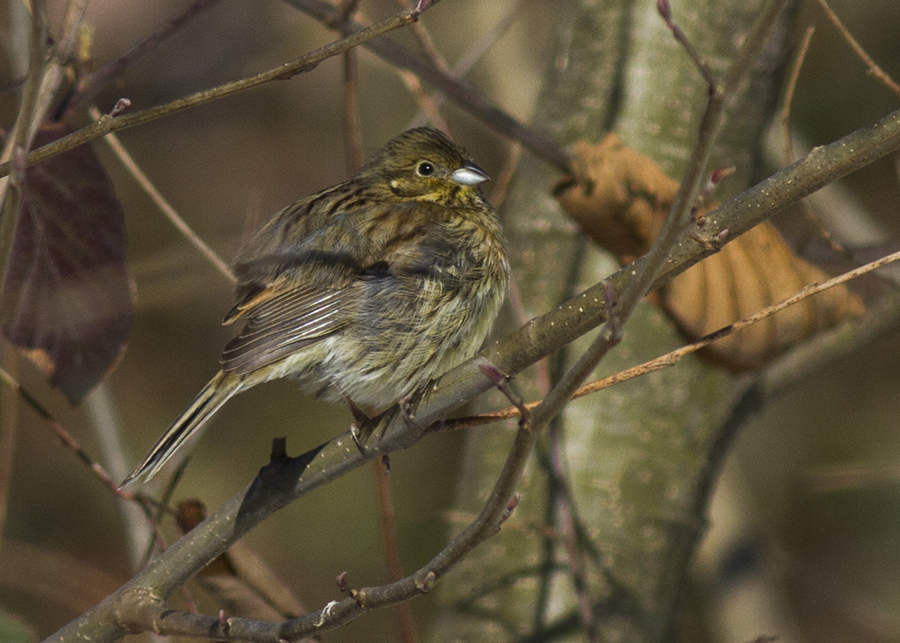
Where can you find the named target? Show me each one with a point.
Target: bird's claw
(406, 411)
(356, 434)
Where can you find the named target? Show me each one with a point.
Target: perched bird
(364, 291)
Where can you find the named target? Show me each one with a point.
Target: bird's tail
(207, 402)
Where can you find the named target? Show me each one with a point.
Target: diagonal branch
(281, 483)
(161, 202)
(92, 84)
(300, 65)
(463, 95)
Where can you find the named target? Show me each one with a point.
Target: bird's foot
(406, 411)
(356, 426)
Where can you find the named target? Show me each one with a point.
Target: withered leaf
(67, 301)
(755, 271)
(621, 198)
(618, 196)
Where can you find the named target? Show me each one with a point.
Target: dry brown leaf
(620, 198)
(617, 196)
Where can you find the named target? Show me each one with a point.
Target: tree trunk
(636, 457)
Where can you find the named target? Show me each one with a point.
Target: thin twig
(24, 130)
(380, 469)
(694, 177)
(620, 308)
(566, 516)
(162, 203)
(353, 143)
(300, 65)
(405, 621)
(471, 56)
(463, 95)
(73, 445)
(874, 69)
(89, 86)
(673, 357)
(793, 77)
(545, 334)
(64, 436)
(785, 118)
(427, 105)
(426, 42)
(337, 613)
(665, 11)
(500, 185)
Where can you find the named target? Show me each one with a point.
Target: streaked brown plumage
(364, 291)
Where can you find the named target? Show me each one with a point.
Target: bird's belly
(385, 357)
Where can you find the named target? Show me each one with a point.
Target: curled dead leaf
(616, 196)
(621, 198)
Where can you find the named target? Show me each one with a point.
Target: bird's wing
(283, 318)
(294, 288)
(294, 294)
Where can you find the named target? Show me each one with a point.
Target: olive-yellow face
(425, 165)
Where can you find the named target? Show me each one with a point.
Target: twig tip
(662, 6)
(121, 105)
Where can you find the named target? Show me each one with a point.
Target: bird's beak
(470, 174)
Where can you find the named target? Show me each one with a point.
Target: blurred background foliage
(815, 476)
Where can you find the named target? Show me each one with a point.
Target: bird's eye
(425, 169)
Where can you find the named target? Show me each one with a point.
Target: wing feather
(283, 322)
(294, 293)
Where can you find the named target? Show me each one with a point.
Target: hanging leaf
(621, 198)
(67, 301)
(618, 196)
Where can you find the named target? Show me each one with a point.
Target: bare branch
(874, 69)
(300, 65)
(673, 357)
(161, 202)
(463, 95)
(89, 86)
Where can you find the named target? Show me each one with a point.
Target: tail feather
(208, 401)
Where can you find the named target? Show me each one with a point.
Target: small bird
(365, 291)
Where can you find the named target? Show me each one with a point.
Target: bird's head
(422, 164)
